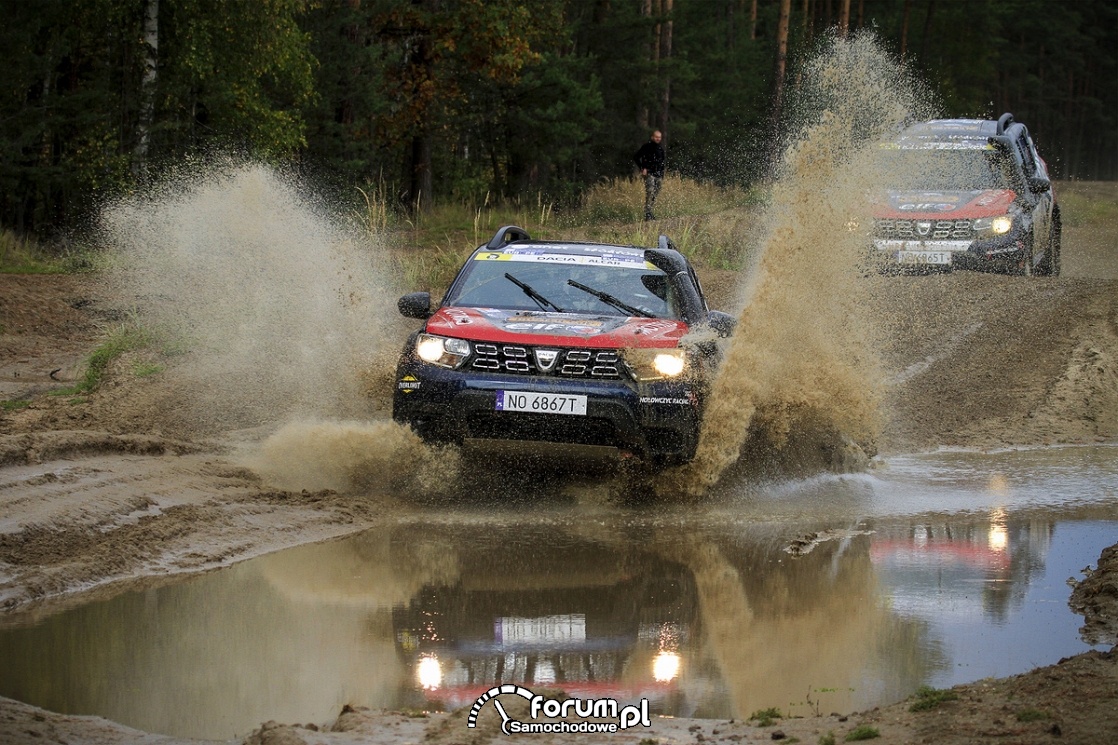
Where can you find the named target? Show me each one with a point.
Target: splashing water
(802, 360)
(281, 310)
(282, 307)
(346, 455)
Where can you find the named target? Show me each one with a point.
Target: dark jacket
(651, 156)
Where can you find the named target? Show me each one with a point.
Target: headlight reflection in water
(429, 673)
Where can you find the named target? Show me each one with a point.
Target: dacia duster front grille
(599, 364)
(925, 230)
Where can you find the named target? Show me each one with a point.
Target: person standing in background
(650, 159)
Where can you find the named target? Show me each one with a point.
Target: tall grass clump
(430, 246)
(126, 337)
(454, 217)
(20, 255)
(427, 268)
(709, 224)
(928, 698)
(533, 212)
(24, 255)
(717, 241)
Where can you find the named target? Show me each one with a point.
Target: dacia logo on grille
(545, 359)
(924, 227)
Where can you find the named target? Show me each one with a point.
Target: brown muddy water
(826, 595)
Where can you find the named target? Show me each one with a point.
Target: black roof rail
(506, 235)
(1003, 122)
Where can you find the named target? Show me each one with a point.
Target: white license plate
(541, 403)
(564, 629)
(923, 257)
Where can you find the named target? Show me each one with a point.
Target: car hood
(561, 329)
(944, 204)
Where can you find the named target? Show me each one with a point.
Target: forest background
(425, 101)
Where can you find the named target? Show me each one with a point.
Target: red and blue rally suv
(563, 342)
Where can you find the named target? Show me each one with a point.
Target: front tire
(1026, 268)
(1050, 264)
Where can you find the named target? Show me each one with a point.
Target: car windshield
(946, 170)
(525, 282)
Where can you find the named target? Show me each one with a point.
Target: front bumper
(657, 421)
(1003, 253)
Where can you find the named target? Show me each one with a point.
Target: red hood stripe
(949, 205)
(556, 329)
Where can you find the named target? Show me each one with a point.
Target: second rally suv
(969, 194)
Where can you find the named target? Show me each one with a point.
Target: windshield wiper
(530, 292)
(605, 297)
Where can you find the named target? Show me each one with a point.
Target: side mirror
(1039, 185)
(415, 305)
(721, 322)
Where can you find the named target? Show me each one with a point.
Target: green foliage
(236, 75)
(862, 732)
(14, 404)
(143, 369)
(827, 739)
(231, 74)
(124, 338)
(723, 85)
(766, 717)
(484, 101)
(928, 698)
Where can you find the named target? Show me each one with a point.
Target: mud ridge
(1096, 598)
(1085, 397)
(39, 447)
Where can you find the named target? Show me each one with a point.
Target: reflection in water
(429, 673)
(665, 667)
(999, 538)
(701, 611)
(948, 563)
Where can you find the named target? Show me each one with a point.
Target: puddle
(933, 570)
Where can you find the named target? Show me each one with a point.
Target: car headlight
(441, 351)
(669, 364)
(999, 225)
(656, 364)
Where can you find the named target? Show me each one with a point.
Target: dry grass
(623, 199)
(712, 226)
(1087, 202)
(20, 255)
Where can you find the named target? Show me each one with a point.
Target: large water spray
(802, 361)
(280, 309)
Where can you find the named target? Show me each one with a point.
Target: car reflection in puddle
(702, 610)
